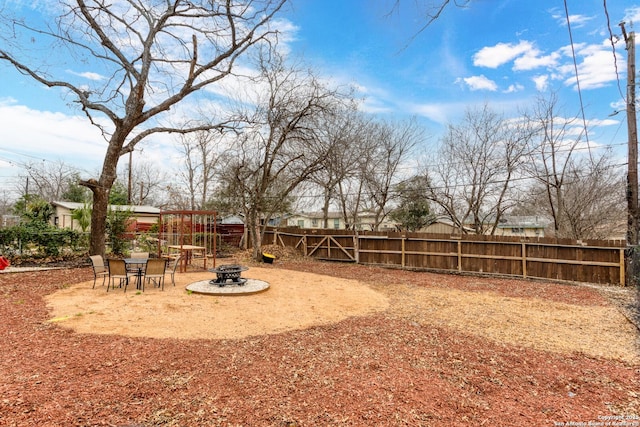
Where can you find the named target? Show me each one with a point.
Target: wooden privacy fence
(601, 261)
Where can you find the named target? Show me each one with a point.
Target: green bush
(37, 238)
(116, 229)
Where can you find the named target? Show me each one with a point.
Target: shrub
(37, 238)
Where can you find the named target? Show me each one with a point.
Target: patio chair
(144, 255)
(99, 269)
(156, 268)
(173, 268)
(118, 270)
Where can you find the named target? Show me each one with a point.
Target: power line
(575, 66)
(613, 47)
(25, 155)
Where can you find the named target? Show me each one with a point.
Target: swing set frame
(190, 234)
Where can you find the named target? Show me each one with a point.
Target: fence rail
(601, 261)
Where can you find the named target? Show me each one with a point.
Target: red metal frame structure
(183, 229)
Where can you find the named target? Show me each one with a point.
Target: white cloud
(541, 82)
(479, 83)
(433, 112)
(87, 75)
(618, 105)
(533, 59)
(632, 15)
(500, 54)
(577, 21)
(603, 122)
(514, 88)
(597, 67)
(373, 106)
(30, 135)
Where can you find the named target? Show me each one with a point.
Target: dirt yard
(295, 300)
(327, 344)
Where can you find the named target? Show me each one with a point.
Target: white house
(366, 220)
(143, 216)
(521, 226)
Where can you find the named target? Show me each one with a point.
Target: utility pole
(129, 185)
(632, 128)
(26, 194)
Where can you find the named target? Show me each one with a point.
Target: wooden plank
(318, 246)
(374, 251)
(329, 239)
(574, 262)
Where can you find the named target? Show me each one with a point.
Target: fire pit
(228, 275)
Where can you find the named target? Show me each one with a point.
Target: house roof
(522, 222)
(445, 220)
(135, 209)
(331, 214)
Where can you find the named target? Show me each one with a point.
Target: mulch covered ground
(383, 369)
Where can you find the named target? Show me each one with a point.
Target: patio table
(137, 265)
(187, 253)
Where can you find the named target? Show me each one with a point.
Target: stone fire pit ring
(251, 286)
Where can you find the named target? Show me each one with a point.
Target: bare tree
(359, 174)
(49, 180)
(593, 206)
(278, 149)
(200, 161)
(343, 135)
(580, 191)
(145, 58)
(471, 179)
(176, 198)
(393, 144)
(147, 182)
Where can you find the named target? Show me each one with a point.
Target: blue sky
(502, 52)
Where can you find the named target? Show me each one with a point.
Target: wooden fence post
(304, 245)
(356, 248)
(524, 259)
(623, 276)
(459, 255)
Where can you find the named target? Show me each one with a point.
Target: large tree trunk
(255, 235)
(100, 190)
(99, 221)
